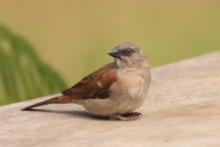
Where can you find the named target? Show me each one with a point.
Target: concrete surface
(182, 110)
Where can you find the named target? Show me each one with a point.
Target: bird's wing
(95, 85)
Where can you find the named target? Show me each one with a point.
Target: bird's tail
(56, 100)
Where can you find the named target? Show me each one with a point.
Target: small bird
(115, 90)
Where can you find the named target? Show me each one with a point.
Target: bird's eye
(127, 52)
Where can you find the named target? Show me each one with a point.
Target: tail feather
(55, 100)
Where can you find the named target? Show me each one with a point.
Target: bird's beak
(114, 53)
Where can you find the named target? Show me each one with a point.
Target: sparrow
(116, 90)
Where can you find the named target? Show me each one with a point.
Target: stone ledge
(182, 109)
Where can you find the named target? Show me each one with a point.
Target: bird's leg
(126, 116)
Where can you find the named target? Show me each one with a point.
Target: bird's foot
(126, 117)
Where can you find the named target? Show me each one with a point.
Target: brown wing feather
(95, 85)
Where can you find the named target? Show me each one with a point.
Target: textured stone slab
(182, 109)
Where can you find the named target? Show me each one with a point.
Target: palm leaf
(23, 75)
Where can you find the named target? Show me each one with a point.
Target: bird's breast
(131, 87)
(133, 81)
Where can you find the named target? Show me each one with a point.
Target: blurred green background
(73, 36)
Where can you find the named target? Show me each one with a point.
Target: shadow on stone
(78, 113)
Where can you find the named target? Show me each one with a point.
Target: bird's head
(127, 55)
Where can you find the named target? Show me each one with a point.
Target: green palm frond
(23, 75)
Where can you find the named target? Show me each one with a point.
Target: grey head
(127, 55)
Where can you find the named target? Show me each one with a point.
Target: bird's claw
(126, 117)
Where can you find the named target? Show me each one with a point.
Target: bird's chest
(132, 86)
